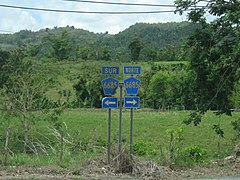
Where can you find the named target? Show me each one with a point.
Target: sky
(13, 20)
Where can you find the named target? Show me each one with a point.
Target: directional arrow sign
(132, 85)
(110, 102)
(131, 102)
(109, 85)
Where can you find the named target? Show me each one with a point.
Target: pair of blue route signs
(114, 70)
(131, 85)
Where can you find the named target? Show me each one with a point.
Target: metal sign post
(109, 135)
(131, 102)
(109, 86)
(120, 124)
(109, 103)
(132, 86)
(131, 132)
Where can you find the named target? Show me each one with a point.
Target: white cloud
(16, 19)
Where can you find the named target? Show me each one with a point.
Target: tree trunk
(171, 148)
(219, 149)
(26, 130)
(6, 147)
(61, 146)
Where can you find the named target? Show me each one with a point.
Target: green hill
(85, 45)
(155, 35)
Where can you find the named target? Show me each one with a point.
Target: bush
(191, 156)
(195, 153)
(141, 148)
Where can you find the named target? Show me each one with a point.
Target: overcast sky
(14, 20)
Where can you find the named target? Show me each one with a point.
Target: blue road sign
(132, 85)
(109, 85)
(131, 102)
(132, 70)
(110, 102)
(110, 70)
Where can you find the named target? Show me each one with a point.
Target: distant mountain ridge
(159, 41)
(25, 37)
(156, 35)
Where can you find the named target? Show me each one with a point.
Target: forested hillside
(159, 41)
(156, 36)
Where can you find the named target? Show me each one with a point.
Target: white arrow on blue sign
(132, 85)
(110, 102)
(109, 85)
(131, 102)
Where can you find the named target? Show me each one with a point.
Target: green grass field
(151, 127)
(87, 128)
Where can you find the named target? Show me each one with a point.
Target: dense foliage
(214, 52)
(77, 44)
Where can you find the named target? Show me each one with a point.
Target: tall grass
(86, 136)
(152, 127)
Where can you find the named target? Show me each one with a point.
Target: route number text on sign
(109, 85)
(132, 85)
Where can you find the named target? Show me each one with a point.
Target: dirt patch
(99, 169)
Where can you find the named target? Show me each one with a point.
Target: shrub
(191, 156)
(142, 148)
(195, 153)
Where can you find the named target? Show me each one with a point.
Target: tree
(62, 45)
(105, 53)
(165, 89)
(4, 56)
(95, 91)
(214, 52)
(135, 47)
(235, 98)
(168, 53)
(148, 54)
(88, 91)
(24, 91)
(84, 53)
(81, 91)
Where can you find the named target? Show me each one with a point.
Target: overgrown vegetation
(48, 76)
(64, 137)
(81, 134)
